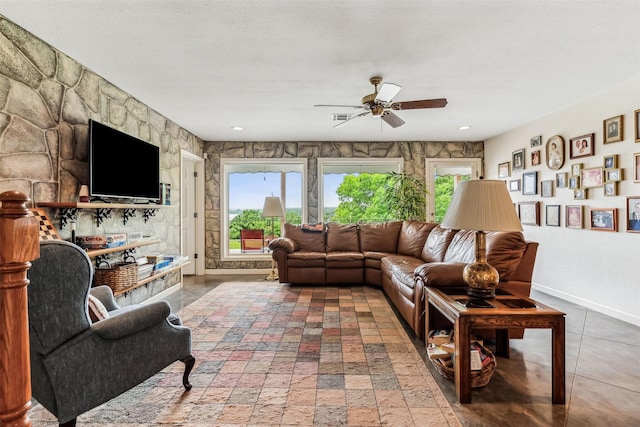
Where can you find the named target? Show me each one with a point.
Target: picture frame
(514, 185)
(603, 219)
(535, 158)
(561, 179)
(582, 146)
(574, 182)
(536, 141)
(576, 168)
(504, 170)
(591, 177)
(580, 194)
(530, 183)
(612, 129)
(555, 152)
(633, 214)
(552, 215)
(546, 188)
(517, 160)
(529, 213)
(611, 188)
(612, 175)
(610, 161)
(573, 216)
(636, 114)
(636, 167)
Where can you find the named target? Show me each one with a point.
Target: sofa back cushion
(437, 243)
(504, 250)
(379, 237)
(342, 237)
(462, 247)
(413, 235)
(309, 241)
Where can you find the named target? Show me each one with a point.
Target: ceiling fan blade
(425, 103)
(341, 106)
(392, 119)
(387, 92)
(354, 117)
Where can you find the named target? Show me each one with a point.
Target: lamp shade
(482, 205)
(272, 207)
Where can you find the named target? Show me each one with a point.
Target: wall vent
(341, 117)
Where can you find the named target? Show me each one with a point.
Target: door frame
(429, 170)
(198, 166)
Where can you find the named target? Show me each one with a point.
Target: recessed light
(465, 127)
(237, 128)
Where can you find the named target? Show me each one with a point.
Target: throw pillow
(97, 310)
(313, 228)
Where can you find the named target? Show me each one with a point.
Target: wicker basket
(118, 276)
(478, 378)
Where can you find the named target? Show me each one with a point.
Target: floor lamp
(272, 209)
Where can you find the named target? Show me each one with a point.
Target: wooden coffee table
(506, 310)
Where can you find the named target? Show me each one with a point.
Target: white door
(442, 176)
(189, 214)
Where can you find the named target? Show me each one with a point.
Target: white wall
(597, 269)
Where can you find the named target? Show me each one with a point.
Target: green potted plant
(406, 196)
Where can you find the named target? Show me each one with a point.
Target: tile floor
(603, 382)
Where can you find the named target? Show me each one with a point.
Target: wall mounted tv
(122, 166)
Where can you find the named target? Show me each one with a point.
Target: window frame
(228, 166)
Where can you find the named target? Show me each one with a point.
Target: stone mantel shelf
(89, 205)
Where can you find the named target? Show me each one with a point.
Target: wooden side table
(504, 311)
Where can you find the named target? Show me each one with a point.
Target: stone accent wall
(413, 153)
(46, 101)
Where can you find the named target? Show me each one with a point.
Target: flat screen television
(122, 166)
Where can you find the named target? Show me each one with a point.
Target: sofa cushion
(342, 237)
(310, 242)
(413, 235)
(504, 252)
(462, 247)
(401, 267)
(379, 237)
(437, 243)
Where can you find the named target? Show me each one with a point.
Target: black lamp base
(482, 293)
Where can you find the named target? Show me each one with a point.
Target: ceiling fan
(379, 103)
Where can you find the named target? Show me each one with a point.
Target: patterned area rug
(271, 354)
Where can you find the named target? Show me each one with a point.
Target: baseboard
(617, 314)
(164, 293)
(221, 271)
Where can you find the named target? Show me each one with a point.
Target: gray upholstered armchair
(77, 364)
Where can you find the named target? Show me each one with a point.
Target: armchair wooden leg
(189, 361)
(71, 423)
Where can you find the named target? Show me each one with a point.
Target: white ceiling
(262, 65)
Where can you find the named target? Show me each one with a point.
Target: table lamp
(481, 205)
(272, 209)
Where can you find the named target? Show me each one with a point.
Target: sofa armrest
(289, 245)
(440, 274)
(132, 321)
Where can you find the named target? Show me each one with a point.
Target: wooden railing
(19, 244)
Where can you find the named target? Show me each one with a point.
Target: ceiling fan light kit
(379, 104)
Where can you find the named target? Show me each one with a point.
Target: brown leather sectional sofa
(401, 257)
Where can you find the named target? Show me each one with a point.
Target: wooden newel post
(19, 244)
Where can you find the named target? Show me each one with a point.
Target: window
(246, 183)
(333, 172)
(443, 175)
